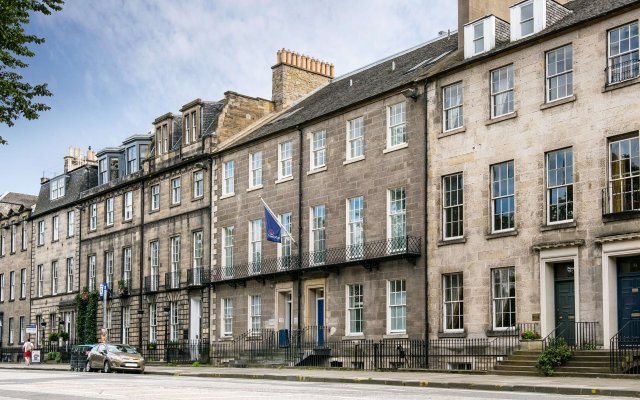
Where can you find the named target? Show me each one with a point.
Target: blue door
(320, 319)
(629, 296)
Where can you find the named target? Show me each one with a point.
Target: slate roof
(78, 180)
(582, 11)
(15, 202)
(358, 86)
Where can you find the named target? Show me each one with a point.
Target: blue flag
(273, 228)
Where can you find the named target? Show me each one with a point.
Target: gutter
(426, 222)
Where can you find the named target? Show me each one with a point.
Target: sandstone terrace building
(15, 263)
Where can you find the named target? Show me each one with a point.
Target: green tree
(17, 97)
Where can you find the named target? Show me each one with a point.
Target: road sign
(32, 328)
(103, 288)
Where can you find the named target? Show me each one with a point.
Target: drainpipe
(300, 139)
(140, 310)
(211, 228)
(426, 221)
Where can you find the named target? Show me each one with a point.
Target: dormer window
(526, 19)
(57, 188)
(132, 160)
(482, 35)
(103, 171)
(478, 37)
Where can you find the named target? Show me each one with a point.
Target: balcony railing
(198, 276)
(172, 280)
(622, 197)
(402, 247)
(152, 283)
(623, 71)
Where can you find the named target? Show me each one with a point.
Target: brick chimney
(296, 75)
(76, 159)
(470, 10)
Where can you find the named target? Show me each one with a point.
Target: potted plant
(54, 336)
(530, 340)
(123, 290)
(64, 336)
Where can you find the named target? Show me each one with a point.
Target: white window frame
(40, 233)
(285, 160)
(58, 187)
(126, 323)
(12, 245)
(54, 278)
(283, 249)
(228, 173)
(55, 230)
(255, 246)
(187, 127)
(317, 234)
(507, 90)
(355, 227)
(128, 205)
(2, 252)
(194, 126)
(1, 288)
(478, 38)
(155, 197)
(21, 331)
(103, 171)
(452, 201)
(226, 328)
(24, 235)
(396, 125)
(91, 269)
(227, 251)
(624, 56)
(23, 283)
(174, 255)
(397, 218)
(254, 322)
(126, 266)
(255, 173)
(93, 216)
(109, 269)
(69, 275)
(12, 285)
(318, 147)
(453, 111)
(109, 211)
(496, 298)
(453, 296)
(40, 287)
(71, 223)
(624, 179)
(132, 159)
(539, 18)
(154, 251)
(355, 139)
(10, 330)
(355, 305)
(198, 241)
(498, 197)
(399, 305)
(173, 321)
(176, 191)
(198, 184)
(153, 323)
(522, 21)
(566, 74)
(559, 178)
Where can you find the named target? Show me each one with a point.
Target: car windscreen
(118, 348)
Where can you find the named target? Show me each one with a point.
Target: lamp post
(166, 310)
(43, 324)
(140, 313)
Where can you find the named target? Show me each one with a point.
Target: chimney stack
(75, 159)
(295, 75)
(471, 10)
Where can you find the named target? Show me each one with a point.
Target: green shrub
(54, 336)
(556, 353)
(529, 335)
(53, 356)
(64, 335)
(195, 364)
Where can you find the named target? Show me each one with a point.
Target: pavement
(503, 383)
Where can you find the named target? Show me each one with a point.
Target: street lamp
(43, 324)
(140, 313)
(166, 332)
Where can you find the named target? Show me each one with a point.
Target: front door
(629, 296)
(195, 320)
(565, 302)
(320, 316)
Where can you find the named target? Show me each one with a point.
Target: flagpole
(277, 221)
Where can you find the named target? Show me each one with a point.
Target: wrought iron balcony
(152, 283)
(367, 254)
(198, 276)
(622, 199)
(623, 71)
(172, 280)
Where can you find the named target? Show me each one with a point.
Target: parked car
(110, 357)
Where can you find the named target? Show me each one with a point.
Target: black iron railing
(198, 276)
(177, 352)
(172, 280)
(402, 247)
(577, 335)
(152, 283)
(623, 71)
(625, 349)
(621, 197)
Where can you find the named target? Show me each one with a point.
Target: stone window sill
(353, 160)
(553, 227)
(359, 336)
(252, 188)
(285, 179)
(316, 170)
(445, 335)
(620, 85)
(501, 118)
(395, 148)
(498, 235)
(448, 242)
(621, 216)
(399, 335)
(497, 333)
(558, 102)
(226, 196)
(452, 132)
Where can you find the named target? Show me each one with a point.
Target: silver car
(109, 357)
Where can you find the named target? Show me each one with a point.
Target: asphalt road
(56, 385)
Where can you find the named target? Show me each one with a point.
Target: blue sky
(115, 65)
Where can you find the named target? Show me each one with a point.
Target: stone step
(586, 370)
(524, 363)
(515, 368)
(515, 372)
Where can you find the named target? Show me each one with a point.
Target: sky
(113, 66)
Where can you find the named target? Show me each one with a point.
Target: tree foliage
(17, 97)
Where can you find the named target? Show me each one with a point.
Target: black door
(565, 302)
(629, 296)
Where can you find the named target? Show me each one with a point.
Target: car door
(97, 358)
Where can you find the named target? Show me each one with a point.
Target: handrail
(625, 349)
(585, 335)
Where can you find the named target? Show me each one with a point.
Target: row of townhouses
(486, 178)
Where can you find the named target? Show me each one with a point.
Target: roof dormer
(482, 35)
(532, 16)
(168, 133)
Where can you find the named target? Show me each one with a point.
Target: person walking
(27, 347)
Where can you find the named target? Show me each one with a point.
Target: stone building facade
(533, 174)
(15, 265)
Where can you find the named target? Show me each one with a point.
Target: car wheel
(107, 367)
(87, 367)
